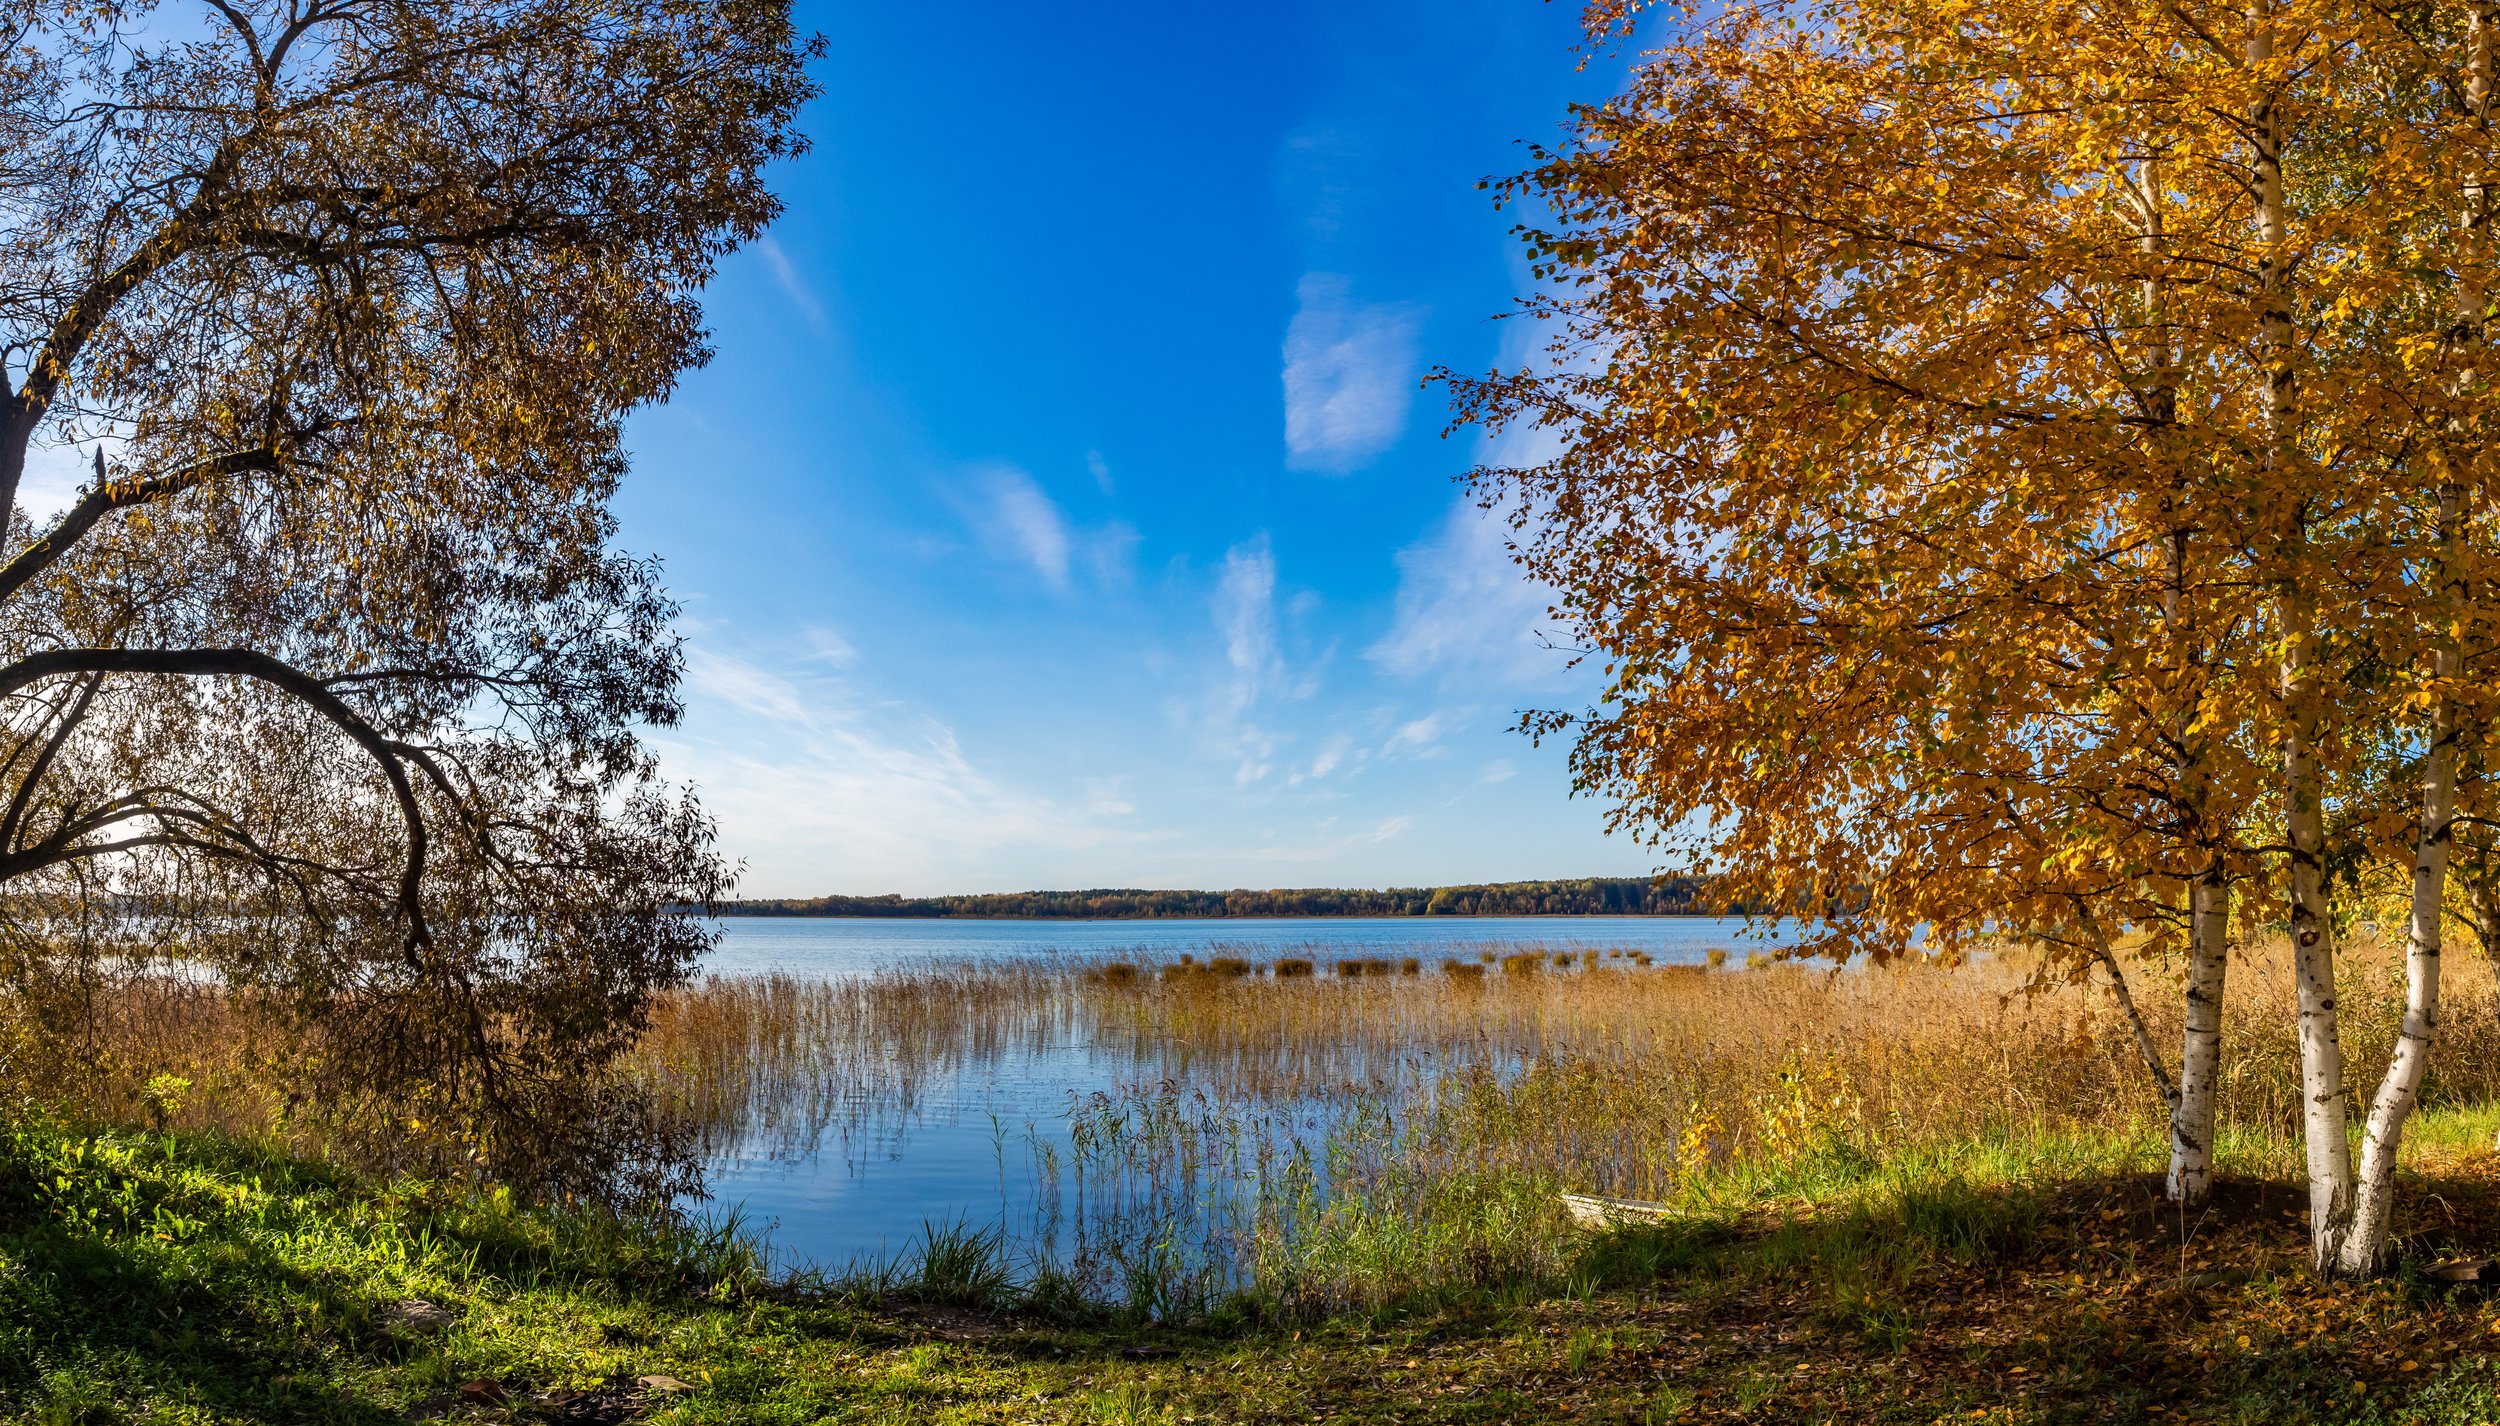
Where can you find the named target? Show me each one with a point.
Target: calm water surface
(970, 1145)
(833, 946)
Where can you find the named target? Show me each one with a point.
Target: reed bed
(1334, 1129)
(1334, 1133)
(1671, 1054)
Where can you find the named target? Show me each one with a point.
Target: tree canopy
(329, 678)
(2028, 460)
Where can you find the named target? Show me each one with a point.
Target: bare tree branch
(248, 663)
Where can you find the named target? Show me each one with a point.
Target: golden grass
(1587, 1070)
(1619, 1078)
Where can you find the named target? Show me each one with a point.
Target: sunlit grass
(1353, 1130)
(1285, 1165)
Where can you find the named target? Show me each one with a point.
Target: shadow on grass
(141, 1274)
(137, 1276)
(220, 1324)
(2086, 1298)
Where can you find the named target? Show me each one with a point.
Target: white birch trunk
(2400, 1089)
(2200, 1059)
(2374, 1193)
(2323, 1110)
(2313, 962)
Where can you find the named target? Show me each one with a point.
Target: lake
(831, 946)
(982, 1128)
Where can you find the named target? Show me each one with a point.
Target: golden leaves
(1948, 413)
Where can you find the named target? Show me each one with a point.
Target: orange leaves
(1940, 422)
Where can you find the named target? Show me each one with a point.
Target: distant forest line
(1593, 896)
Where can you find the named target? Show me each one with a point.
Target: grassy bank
(1898, 1196)
(188, 1279)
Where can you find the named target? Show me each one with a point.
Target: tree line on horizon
(1589, 896)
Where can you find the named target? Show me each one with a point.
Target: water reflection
(854, 1080)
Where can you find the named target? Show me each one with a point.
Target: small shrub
(163, 1096)
(1411, 965)
(1527, 964)
(1292, 966)
(1716, 959)
(1119, 973)
(1464, 970)
(1231, 967)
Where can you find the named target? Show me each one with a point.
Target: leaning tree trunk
(2400, 1089)
(2096, 937)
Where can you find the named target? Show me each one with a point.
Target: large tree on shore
(329, 674)
(2013, 457)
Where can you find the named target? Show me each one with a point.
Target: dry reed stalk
(1624, 1079)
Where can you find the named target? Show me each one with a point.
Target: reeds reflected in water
(1337, 1128)
(1327, 1130)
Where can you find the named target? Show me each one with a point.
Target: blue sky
(1061, 508)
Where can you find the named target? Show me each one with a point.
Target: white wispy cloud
(1467, 613)
(820, 789)
(1331, 757)
(827, 646)
(1245, 613)
(747, 688)
(1416, 737)
(1031, 523)
(1349, 376)
(793, 286)
(1108, 796)
(1019, 521)
(1244, 610)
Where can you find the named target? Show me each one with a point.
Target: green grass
(147, 1278)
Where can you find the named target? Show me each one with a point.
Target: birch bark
(2401, 1086)
(2200, 1058)
(2400, 1089)
(2323, 1108)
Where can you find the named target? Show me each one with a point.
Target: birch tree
(1991, 435)
(2434, 643)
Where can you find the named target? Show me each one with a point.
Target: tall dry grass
(1335, 1131)
(1623, 1078)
